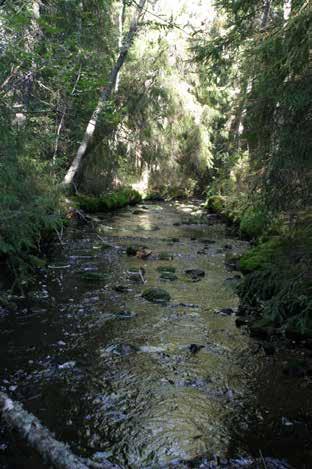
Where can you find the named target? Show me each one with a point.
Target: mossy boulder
(215, 204)
(156, 295)
(260, 256)
(108, 202)
(168, 276)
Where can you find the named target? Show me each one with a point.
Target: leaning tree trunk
(287, 10)
(72, 176)
(121, 22)
(266, 13)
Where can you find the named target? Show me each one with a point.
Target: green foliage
(30, 211)
(50, 75)
(253, 223)
(108, 202)
(278, 119)
(260, 256)
(263, 60)
(280, 284)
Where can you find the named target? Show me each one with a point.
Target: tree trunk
(40, 439)
(287, 10)
(121, 22)
(72, 176)
(32, 36)
(266, 12)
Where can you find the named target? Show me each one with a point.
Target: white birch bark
(266, 12)
(287, 10)
(121, 22)
(40, 439)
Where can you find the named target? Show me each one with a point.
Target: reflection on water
(141, 383)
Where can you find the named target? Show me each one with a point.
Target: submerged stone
(138, 212)
(136, 275)
(125, 315)
(167, 268)
(94, 276)
(225, 311)
(194, 348)
(233, 281)
(121, 289)
(102, 246)
(195, 274)
(121, 349)
(168, 276)
(156, 295)
(165, 256)
(132, 250)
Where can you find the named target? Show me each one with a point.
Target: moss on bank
(278, 283)
(261, 256)
(108, 202)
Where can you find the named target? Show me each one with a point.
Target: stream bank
(151, 384)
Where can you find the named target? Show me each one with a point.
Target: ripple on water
(146, 384)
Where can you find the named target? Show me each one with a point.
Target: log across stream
(147, 384)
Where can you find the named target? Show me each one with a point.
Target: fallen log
(41, 439)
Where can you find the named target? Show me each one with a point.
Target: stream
(150, 385)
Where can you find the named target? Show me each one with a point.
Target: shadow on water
(144, 384)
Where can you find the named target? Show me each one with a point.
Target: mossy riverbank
(276, 292)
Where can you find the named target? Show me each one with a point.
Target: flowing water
(148, 385)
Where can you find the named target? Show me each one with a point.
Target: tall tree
(72, 176)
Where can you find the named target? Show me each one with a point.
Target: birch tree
(71, 178)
